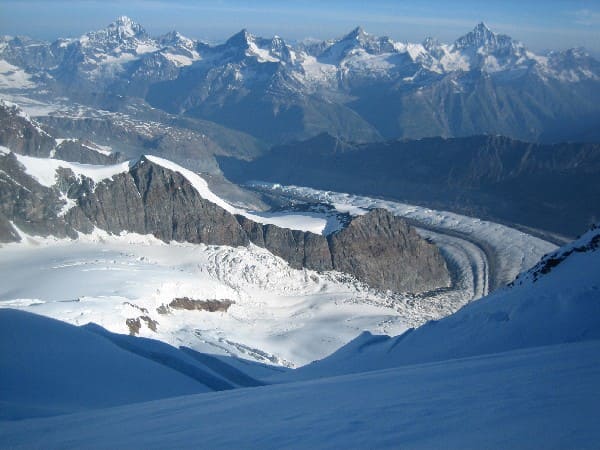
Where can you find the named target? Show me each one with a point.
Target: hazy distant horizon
(540, 25)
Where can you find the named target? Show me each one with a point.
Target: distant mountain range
(360, 87)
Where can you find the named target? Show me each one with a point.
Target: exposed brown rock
(385, 252)
(201, 305)
(134, 326)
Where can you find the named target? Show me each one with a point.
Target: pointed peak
(430, 43)
(481, 26)
(357, 33)
(175, 38)
(481, 36)
(124, 20)
(125, 27)
(241, 38)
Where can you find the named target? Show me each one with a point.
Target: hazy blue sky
(539, 24)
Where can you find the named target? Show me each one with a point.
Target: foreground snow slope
(557, 301)
(518, 369)
(49, 367)
(536, 398)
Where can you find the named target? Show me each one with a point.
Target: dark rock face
(81, 151)
(298, 248)
(201, 305)
(22, 135)
(549, 187)
(386, 253)
(378, 248)
(32, 207)
(150, 199)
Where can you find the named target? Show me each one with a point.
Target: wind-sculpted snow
(49, 367)
(538, 398)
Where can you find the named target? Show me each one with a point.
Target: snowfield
(281, 315)
(538, 398)
(518, 369)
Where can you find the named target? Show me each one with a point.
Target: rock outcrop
(298, 248)
(385, 252)
(150, 199)
(377, 248)
(21, 134)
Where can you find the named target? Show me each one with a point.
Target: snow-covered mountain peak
(122, 31)
(356, 42)
(357, 34)
(175, 38)
(126, 27)
(430, 42)
(483, 38)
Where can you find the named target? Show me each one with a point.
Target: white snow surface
(13, 77)
(281, 315)
(44, 169)
(49, 367)
(537, 398)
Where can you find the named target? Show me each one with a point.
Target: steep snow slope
(557, 301)
(537, 398)
(50, 367)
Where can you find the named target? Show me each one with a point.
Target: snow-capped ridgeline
(104, 53)
(44, 171)
(314, 222)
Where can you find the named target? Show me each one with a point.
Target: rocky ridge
(146, 198)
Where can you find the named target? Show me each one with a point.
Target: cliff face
(377, 248)
(298, 248)
(385, 252)
(149, 199)
(21, 134)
